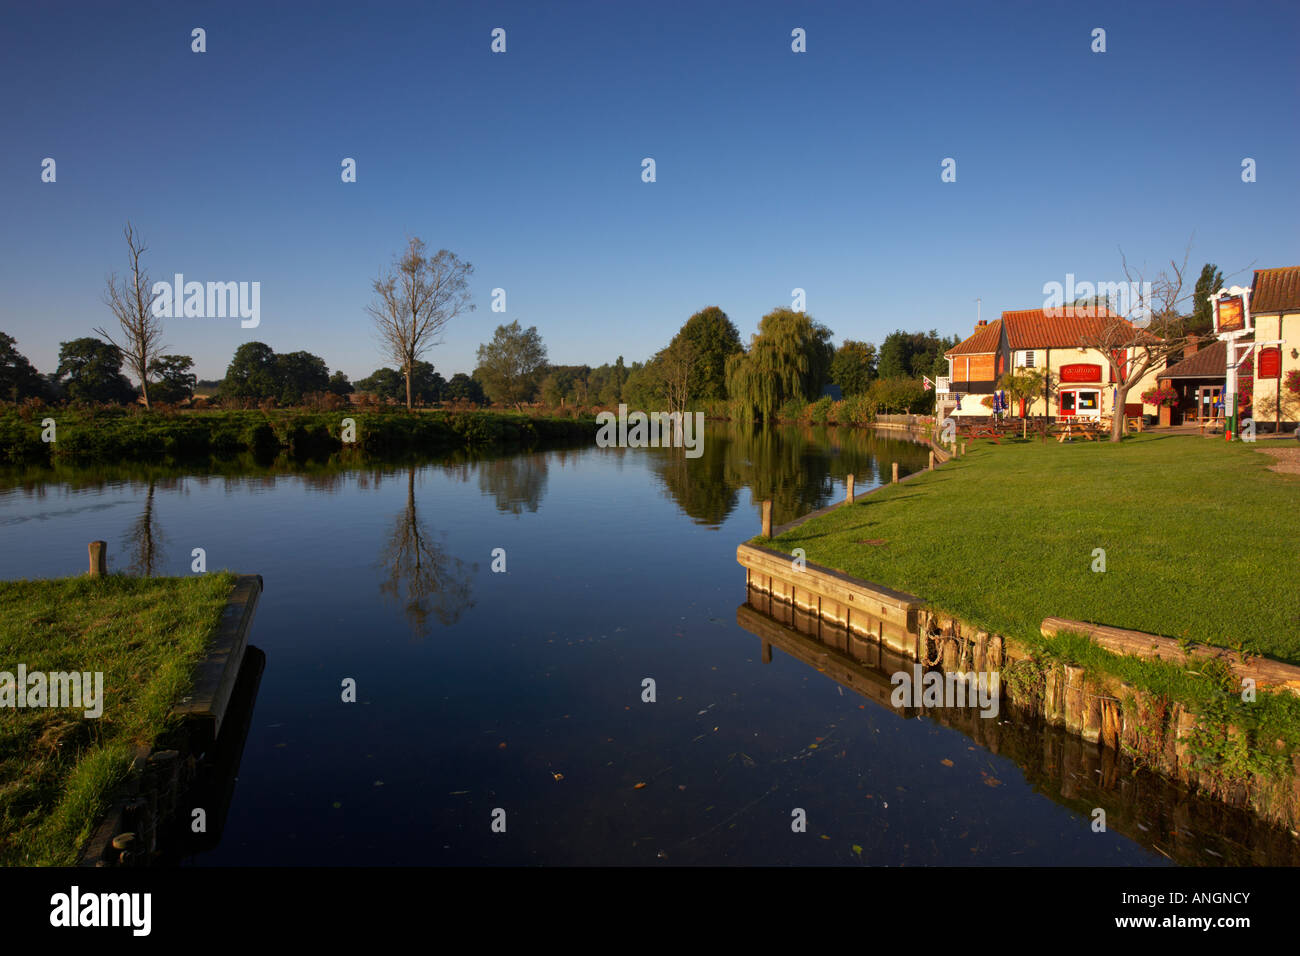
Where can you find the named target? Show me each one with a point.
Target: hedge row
(113, 435)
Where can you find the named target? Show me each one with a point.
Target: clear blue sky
(818, 170)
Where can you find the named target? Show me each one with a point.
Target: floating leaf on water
(857, 849)
(337, 805)
(501, 746)
(946, 762)
(992, 781)
(557, 776)
(639, 786)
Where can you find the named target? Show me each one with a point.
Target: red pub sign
(1270, 362)
(1081, 372)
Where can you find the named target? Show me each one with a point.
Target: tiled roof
(985, 340)
(1209, 362)
(1065, 327)
(1276, 290)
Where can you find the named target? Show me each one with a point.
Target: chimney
(1193, 343)
(980, 324)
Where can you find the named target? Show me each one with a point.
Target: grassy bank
(1200, 539)
(120, 434)
(58, 767)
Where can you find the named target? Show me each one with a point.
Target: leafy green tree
(252, 373)
(340, 385)
(854, 366)
(790, 357)
(18, 378)
(1022, 388)
(712, 339)
(567, 383)
(511, 365)
(383, 383)
(299, 374)
(913, 354)
(173, 378)
(462, 388)
(90, 370)
(1210, 282)
(605, 384)
(898, 395)
(427, 386)
(643, 389)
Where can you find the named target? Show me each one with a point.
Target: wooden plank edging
(215, 676)
(1117, 640)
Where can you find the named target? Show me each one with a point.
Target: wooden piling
(848, 494)
(895, 472)
(767, 519)
(98, 558)
(931, 466)
(963, 449)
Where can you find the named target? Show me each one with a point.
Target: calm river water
(523, 690)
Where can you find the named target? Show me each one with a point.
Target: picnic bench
(1088, 429)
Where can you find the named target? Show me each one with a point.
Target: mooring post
(767, 653)
(895, 472)
(767, 519)
(963, 449)
(98, 558)
(848, 494)
(931, 468)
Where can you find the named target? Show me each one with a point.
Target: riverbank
(1164, 535)
(46, 436)
(58, 766)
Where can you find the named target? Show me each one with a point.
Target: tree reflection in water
(144, 538)
(423, 579)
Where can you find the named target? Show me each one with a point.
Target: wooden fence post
(98, 558)
(848, 494)
(767, 519)
(931, 468)
(895, 472)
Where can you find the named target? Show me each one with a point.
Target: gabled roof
(1209, 362)
(1275, 290)
(1060, 328)
(985, 340)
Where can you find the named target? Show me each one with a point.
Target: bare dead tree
(131, 299)
(676, 364)
(415, 301)
(1144, 337)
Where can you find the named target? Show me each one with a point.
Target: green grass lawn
(1201, 540)
(58, 767)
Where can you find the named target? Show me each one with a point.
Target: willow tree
(790, 357)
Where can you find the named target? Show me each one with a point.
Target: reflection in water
(794, 467)
(422, 578)
(517, 482)
(144, 538)
(1145, 807)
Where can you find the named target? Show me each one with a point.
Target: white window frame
(1026, 358)
(1076, 390)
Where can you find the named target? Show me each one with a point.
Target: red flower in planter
(1165, 396)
